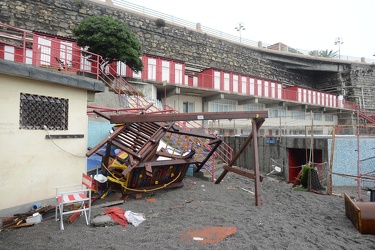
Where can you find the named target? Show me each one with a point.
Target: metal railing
(26, 47)
(222, 35)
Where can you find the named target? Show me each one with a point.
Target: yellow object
(121, 181)
(105, 194)
(116, 164)
(124, 183)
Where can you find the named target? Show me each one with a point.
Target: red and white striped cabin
(154, 69)
(237, 83)
(47, 51)
(55, 51)
(309, 96)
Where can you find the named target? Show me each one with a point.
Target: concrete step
(206, 175)
(219, 168)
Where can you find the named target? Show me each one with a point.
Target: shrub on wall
(160, 22)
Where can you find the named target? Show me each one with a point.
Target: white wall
(177, 101)
(30, 165)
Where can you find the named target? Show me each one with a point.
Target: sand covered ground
(182, 219)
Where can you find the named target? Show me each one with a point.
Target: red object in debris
(151, 200)
(118, 215)
(208, 234)
(73, 217)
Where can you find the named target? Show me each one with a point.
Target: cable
(49, 136)
(124, 183)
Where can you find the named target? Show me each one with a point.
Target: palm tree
(325, 53)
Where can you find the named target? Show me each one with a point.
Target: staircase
(211, 174)
(211, 157)
(368, 116)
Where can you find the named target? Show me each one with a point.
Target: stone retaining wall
(190, 46)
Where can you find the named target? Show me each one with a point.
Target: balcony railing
(226, 36)
(59, 54)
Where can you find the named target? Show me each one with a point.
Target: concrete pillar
(340, 101)
(199, 27)
(260, 44)
(363, 59)
(237, 131)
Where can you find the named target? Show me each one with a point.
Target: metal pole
(306, 152)
(280, 129)
(363, 99)
(258, 201)
(165, 97)
(165, 94)
(312, 139)
(358, 161)
(24, 47)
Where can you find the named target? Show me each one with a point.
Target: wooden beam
(130, 118)
(256, 124)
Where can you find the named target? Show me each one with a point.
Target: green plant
(160, 22)
(110, 38)
(305, 177)
(325, 53)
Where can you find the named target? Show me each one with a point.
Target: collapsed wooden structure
(153, 153)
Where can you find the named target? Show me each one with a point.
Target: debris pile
(25, 219)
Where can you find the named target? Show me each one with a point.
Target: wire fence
(191, 25)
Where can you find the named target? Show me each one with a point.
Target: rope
(354, 176)
(174, 147)
(123, 184)
(49, 136)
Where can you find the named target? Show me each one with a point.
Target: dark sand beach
(182, 218)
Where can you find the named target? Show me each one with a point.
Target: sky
(304, 25)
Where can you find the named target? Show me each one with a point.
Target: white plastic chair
(80, 197)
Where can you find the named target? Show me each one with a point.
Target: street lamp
(239, 28)
(339, 41)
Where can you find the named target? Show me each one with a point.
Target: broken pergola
(138, 135)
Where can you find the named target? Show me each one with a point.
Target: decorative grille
(37, 111)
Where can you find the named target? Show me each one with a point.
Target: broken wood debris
(110, 203)
(19, 220)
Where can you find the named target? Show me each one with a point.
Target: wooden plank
(352, 212)
(331, 160)
(129, 118)
(20, 225)
(361, 214)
